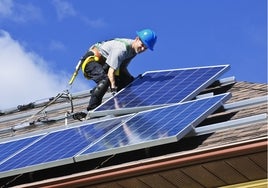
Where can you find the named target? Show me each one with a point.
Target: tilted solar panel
(154, 127)
(57, 148)
(164, 87)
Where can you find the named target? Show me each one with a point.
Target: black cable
(11, 181)
(105, 161)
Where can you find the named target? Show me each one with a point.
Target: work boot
(79, 115)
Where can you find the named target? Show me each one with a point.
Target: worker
(108, 68)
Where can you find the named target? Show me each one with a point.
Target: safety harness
(88, 60)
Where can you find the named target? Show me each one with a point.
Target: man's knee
(97, 94)
(101, 88)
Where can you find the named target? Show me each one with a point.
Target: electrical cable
(11, 181)
(105, 161)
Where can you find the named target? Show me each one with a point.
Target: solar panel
(154, 127)
(57, 148)
(164, 87)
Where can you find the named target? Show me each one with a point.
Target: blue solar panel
(164, 87)
(155, 127)
(10, 148)
(59, 147)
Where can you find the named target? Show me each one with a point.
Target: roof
(228, 147)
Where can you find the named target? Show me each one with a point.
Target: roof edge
(157, 164)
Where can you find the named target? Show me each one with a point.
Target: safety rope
(66, 92)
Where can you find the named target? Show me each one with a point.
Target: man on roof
(106, 63)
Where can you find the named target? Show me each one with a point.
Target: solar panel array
(150, 128)
(164, 87)
(126, 133)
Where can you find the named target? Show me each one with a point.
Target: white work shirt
(117, 52)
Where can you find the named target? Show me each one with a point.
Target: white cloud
(6, 7)
(25, 77)
(19, 12)
(64, 9)
(56, 46)
(94, 23)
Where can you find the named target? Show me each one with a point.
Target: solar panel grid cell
(150, 89)
(191, 82)
(10, 148)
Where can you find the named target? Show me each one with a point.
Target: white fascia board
(228, 124)
(246, 103)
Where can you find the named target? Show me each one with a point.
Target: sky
(41, 41)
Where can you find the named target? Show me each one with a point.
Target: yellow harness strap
(88, 60)
(117, 72)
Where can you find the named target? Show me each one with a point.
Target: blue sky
(42, 40)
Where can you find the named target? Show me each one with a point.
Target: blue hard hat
(148, 38)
